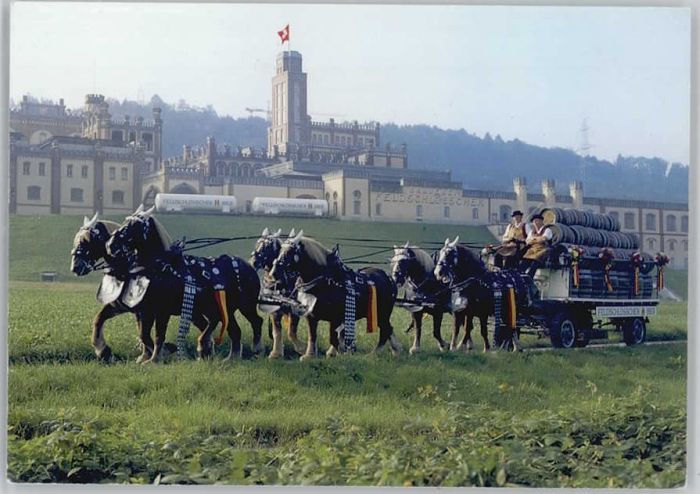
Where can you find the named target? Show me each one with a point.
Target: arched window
(34, 193)
(446, 212)
(671, 245)
(419, 211)
(504, 213)
(670, 223)
(651, 243)
(629, 221)
(684, 224)
(356, 202)
(335, 208)
(475, 213)
(328, 196)
(117, 197)
(651, 222)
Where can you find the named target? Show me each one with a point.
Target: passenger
(537, 245)
(512, 243)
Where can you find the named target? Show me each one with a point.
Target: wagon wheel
(584, 325)
(563, 331)
(634, 331)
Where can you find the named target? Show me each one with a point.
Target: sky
(531, 73)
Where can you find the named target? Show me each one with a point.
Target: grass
(612, 417)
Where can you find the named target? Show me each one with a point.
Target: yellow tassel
(220, 297)
(512, 309)
(372, 309)
(287, 322)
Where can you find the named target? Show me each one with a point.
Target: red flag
(284, 34)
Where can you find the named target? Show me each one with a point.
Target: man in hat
(537, 245)
(512, 243)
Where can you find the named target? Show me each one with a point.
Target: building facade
(116, 165)
(74, 175)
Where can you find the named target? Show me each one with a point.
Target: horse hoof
(105, 355)
(442, 347)
(299, 347)
(306, 356)
(414, 350)
(142, 358)
(332, 352)
(259, 348)
(395, 351)
(274, 355)
(469, 346)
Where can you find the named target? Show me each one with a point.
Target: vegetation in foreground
(589, 417)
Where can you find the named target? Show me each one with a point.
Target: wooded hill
(479, 162)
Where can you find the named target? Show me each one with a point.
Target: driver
(538, 241)
(512, 243)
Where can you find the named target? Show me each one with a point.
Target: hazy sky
(532, 73)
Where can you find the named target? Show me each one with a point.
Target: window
(117, 197)
(26, 168)
(84, 171)
(475, 213)
(76, 195)
(125, 173)
(356, 203)
(651, 243)
(446, 212)
(419, 211)
(670, 223)
(132, 136)
(69, 170)
(378, 209)
(685, 245)
(148, 140)
(112, 173)
(33, 193)
(671, 245)
(504, 212)
(629, 221)
(651, 222)
(117, 135)
(325, 139)
(684, 224)
(42, 169)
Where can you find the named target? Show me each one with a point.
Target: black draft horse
(145, 243)
(413, 268)
(89, 249)
(267, 248)
(459, 266)
(322, 276)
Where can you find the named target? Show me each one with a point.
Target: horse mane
(466, 252)
(424, 259)
(83, 234)
(315, 250)
(163, 235)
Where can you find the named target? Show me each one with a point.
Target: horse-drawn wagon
(594, 279)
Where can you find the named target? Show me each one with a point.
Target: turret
(550, 197)
(576, 192)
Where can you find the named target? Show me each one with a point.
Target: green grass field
(612, 417)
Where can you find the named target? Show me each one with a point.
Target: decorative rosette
(576, 253)
(661, 261)
(606, 255)
(637, 260)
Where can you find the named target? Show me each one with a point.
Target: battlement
(94, 99)
(345, 126)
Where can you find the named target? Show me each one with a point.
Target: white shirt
(544, 231)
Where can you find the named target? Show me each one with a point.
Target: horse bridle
(121, 235)
(85, 253)
(263, 256)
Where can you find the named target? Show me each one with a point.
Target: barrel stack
(606, 260)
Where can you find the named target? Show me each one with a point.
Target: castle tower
(520, 188)
(550, 197)
(289, 126)
(97, 118)
(576, 192)
(157, 138)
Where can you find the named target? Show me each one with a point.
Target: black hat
(538, 217)
(517, 212)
